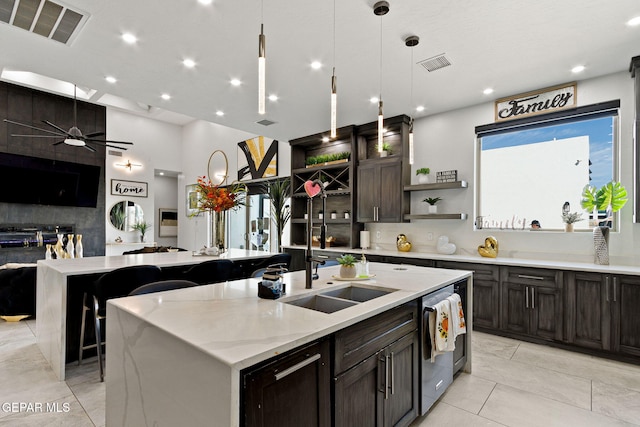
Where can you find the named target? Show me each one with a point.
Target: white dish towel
(440, 329)
(458, 325)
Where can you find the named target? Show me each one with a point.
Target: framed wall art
(121, 187)
(192, 200)
(255, 160)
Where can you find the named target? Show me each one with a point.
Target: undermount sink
(337, 299)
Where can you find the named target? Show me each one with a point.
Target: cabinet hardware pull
(386, 376)
(292, 369)
(525, 276)
(606, 284)
(391, 370)
(615, 289)
(533, 297)
(526, 297)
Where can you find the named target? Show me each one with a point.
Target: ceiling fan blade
(104, 141)
(114, 146)
(33, 127)
(39, 136)
(58, 143)
(56, 127)
(94, 134)
(88, 147)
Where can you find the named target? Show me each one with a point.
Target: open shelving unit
(436, 186)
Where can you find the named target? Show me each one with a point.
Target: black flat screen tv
(34, 180)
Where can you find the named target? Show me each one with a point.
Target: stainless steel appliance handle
(391, 370)
(526, 297)
(297, 366)
(606, 284)
(615, 288)
(533, 297)
(525, 276)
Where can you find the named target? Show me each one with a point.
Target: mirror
(124, 214)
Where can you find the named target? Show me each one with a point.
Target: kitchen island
(177, 357)
(59, 291)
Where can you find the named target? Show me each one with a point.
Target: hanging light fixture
(334, 81)
(261, 65)
(411, 41)
(380, 9)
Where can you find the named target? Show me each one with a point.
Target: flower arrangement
(214, 198)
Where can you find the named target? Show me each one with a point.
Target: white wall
(157, 145)
(447, 141)
(165, 197)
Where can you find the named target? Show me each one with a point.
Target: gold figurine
(402, 244)
(490, 247)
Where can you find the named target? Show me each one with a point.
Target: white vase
(71, 250)
(433, 209)
(347, 271)
(79, 248)
(601, 245)
(383, 153)
(423, 178)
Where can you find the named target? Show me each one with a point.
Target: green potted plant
(386, 149)
(432, 204)
(347, 265)
(279, 191)
(423, 175)
(142, 227)
(569, 218)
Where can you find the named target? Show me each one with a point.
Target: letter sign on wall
(128, 188)
(537, 102)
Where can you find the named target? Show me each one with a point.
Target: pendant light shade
(261, 71)
(380, 9)
(334, 103)
(411, 41)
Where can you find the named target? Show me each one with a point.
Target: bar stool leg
(96, 319)
(84, 318)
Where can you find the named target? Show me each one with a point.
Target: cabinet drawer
(480, 271)
(357, 342)
(532, 276)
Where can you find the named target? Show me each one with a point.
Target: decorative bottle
(58, 248)
(47, 253)
(79, 248)
(70, 246)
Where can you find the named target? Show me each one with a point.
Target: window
(534, 169)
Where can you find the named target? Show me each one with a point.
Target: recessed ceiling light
(325, 139)
(420, 108)
(110, 79)
(236, 82)
(220, 113)
(161, 174)
(205, 2)
(129, 38)
(165, 96)
(189, 63)
(577, 69)
(273, 97)
(374, 100)
(316, 65)
(633, 22)
(488, 91)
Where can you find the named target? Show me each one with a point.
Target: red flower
(214, 198)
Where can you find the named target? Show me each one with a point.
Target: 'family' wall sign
(129, 188)
(536, 102)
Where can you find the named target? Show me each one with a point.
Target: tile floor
(513, 384)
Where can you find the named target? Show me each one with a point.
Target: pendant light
(411, 41)
(261, 65)
(380, 9)
(334, 81)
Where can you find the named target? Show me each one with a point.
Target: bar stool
(164, 285)
(213, 271)
(114, 284)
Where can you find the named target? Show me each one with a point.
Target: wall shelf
(436, 186)
(460, 216)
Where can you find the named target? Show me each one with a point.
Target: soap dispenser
(363, 267)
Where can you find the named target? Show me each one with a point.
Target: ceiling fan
(73, 136)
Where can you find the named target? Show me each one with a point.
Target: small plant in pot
(347, 265)
(386, 149)
(569, 218)
(423, 175)
(142, 227)
(432, 204)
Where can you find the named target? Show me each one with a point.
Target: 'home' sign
(536, 102)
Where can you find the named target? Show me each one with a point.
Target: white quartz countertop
(500, 260)
(101, 264)
(229, 322)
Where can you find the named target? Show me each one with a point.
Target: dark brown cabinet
(293, 390)
(532, 302)
(376, 364)
(379, 197)
(486, 292)
(626, 315)
(588, 309)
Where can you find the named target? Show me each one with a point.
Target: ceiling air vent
(265, 122)
(49, 19)
(435, 63)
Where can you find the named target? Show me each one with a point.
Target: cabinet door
(515, 307)
(588, 310)
(486, 303)
(546, 318)
(291, 391)
(358, 394)
(368, 192)
(626, 300)
(390, 192)
(401, 403)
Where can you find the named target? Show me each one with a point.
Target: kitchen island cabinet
(180, 357)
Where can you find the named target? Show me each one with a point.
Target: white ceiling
(512, 46)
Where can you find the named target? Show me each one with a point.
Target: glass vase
(217, 238)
